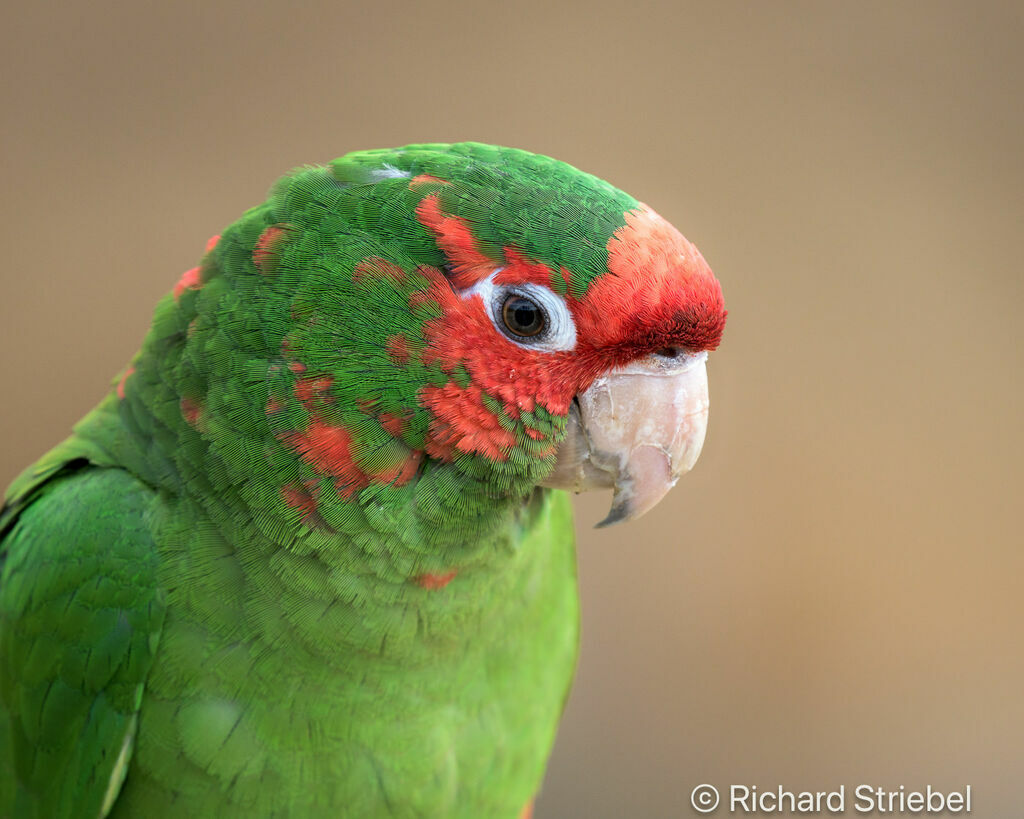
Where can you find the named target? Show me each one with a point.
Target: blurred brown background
(834, 595)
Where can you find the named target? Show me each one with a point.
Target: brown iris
(522, 316)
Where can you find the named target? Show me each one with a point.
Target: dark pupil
(522, 316)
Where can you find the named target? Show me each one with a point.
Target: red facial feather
(400, 473)
(393, 424)
(516, 376)
(311, 389)
(456, 241)
(426, 179)
(304, 498)
(189, 281)
(327, 449)
(376, 267)
(520, 270)
(461, 419)
(659, 292)
(398, 349)
(267, 246)
(440, 441)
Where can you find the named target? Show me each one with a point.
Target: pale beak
(636, 429)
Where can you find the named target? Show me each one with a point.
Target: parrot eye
(529, 315)
(522, 316)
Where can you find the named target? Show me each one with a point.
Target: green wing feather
(80, 616)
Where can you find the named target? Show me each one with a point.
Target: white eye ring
(559, 333)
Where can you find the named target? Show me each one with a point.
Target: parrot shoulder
(81, 450)
(81, 613)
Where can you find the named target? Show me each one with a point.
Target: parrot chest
(245, 725)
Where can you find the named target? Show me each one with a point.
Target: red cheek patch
(440, 441)
(329, 448)
(461, 420)
(400, 473)
(516, 376)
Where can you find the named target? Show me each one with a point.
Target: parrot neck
(369, 591)
(434, 550)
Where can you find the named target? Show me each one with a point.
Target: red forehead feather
(520, 270)
(659, 292)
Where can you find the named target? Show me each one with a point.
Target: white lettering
(839, 806)
(865, 802)
(735, 799)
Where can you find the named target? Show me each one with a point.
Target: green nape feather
(370, 611)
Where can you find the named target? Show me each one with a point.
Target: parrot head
(436, 326)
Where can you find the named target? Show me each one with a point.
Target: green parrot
(313, 555)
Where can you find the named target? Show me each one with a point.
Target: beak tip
(617, 514)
